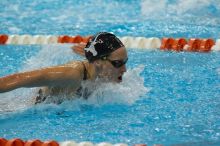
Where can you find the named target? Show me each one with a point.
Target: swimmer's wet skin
(106, 57)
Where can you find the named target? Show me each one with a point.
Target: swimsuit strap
(85, 72)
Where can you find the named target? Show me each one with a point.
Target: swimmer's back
(50, 91)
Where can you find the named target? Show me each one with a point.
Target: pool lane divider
(19, 142)
(36, 142)
(165, 44)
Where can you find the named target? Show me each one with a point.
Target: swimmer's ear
(98, 63)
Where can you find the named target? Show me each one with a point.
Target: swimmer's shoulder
(78, 66)
(73, 63)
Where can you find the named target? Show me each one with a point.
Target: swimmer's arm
(59, 76)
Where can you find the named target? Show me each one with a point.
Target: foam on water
(127, 92)
(50, 55)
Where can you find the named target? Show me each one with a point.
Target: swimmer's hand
(79, 48)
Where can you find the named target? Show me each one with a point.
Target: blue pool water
(166, 97)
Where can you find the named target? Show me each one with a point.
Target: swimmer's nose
(123, 68)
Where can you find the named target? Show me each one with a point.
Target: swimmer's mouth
(120, 78)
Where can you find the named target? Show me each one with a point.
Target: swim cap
(101, 45)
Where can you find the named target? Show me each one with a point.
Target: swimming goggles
(116, 63)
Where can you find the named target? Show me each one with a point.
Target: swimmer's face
(114, 66)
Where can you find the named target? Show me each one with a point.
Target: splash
(19, 99)
(177, 9)
(50, 55)
(127, 92)
(132, 81)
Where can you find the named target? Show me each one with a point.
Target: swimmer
(106, 61)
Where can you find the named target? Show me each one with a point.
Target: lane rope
(37, 142)
(166, 44)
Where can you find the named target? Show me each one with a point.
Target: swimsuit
(83, 92)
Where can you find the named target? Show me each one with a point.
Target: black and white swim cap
(101, 45)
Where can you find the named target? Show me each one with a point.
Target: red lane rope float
(3, 39)
(15, 142)
(179, 44)
(201, 45)
(77, 39)
(194, 44)
(19, 142)
(65, 39)
(73, 39)
(173, 44)
(206, 45)
(3, 142)
(33, 143)
(167, 43)
(50, 143)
